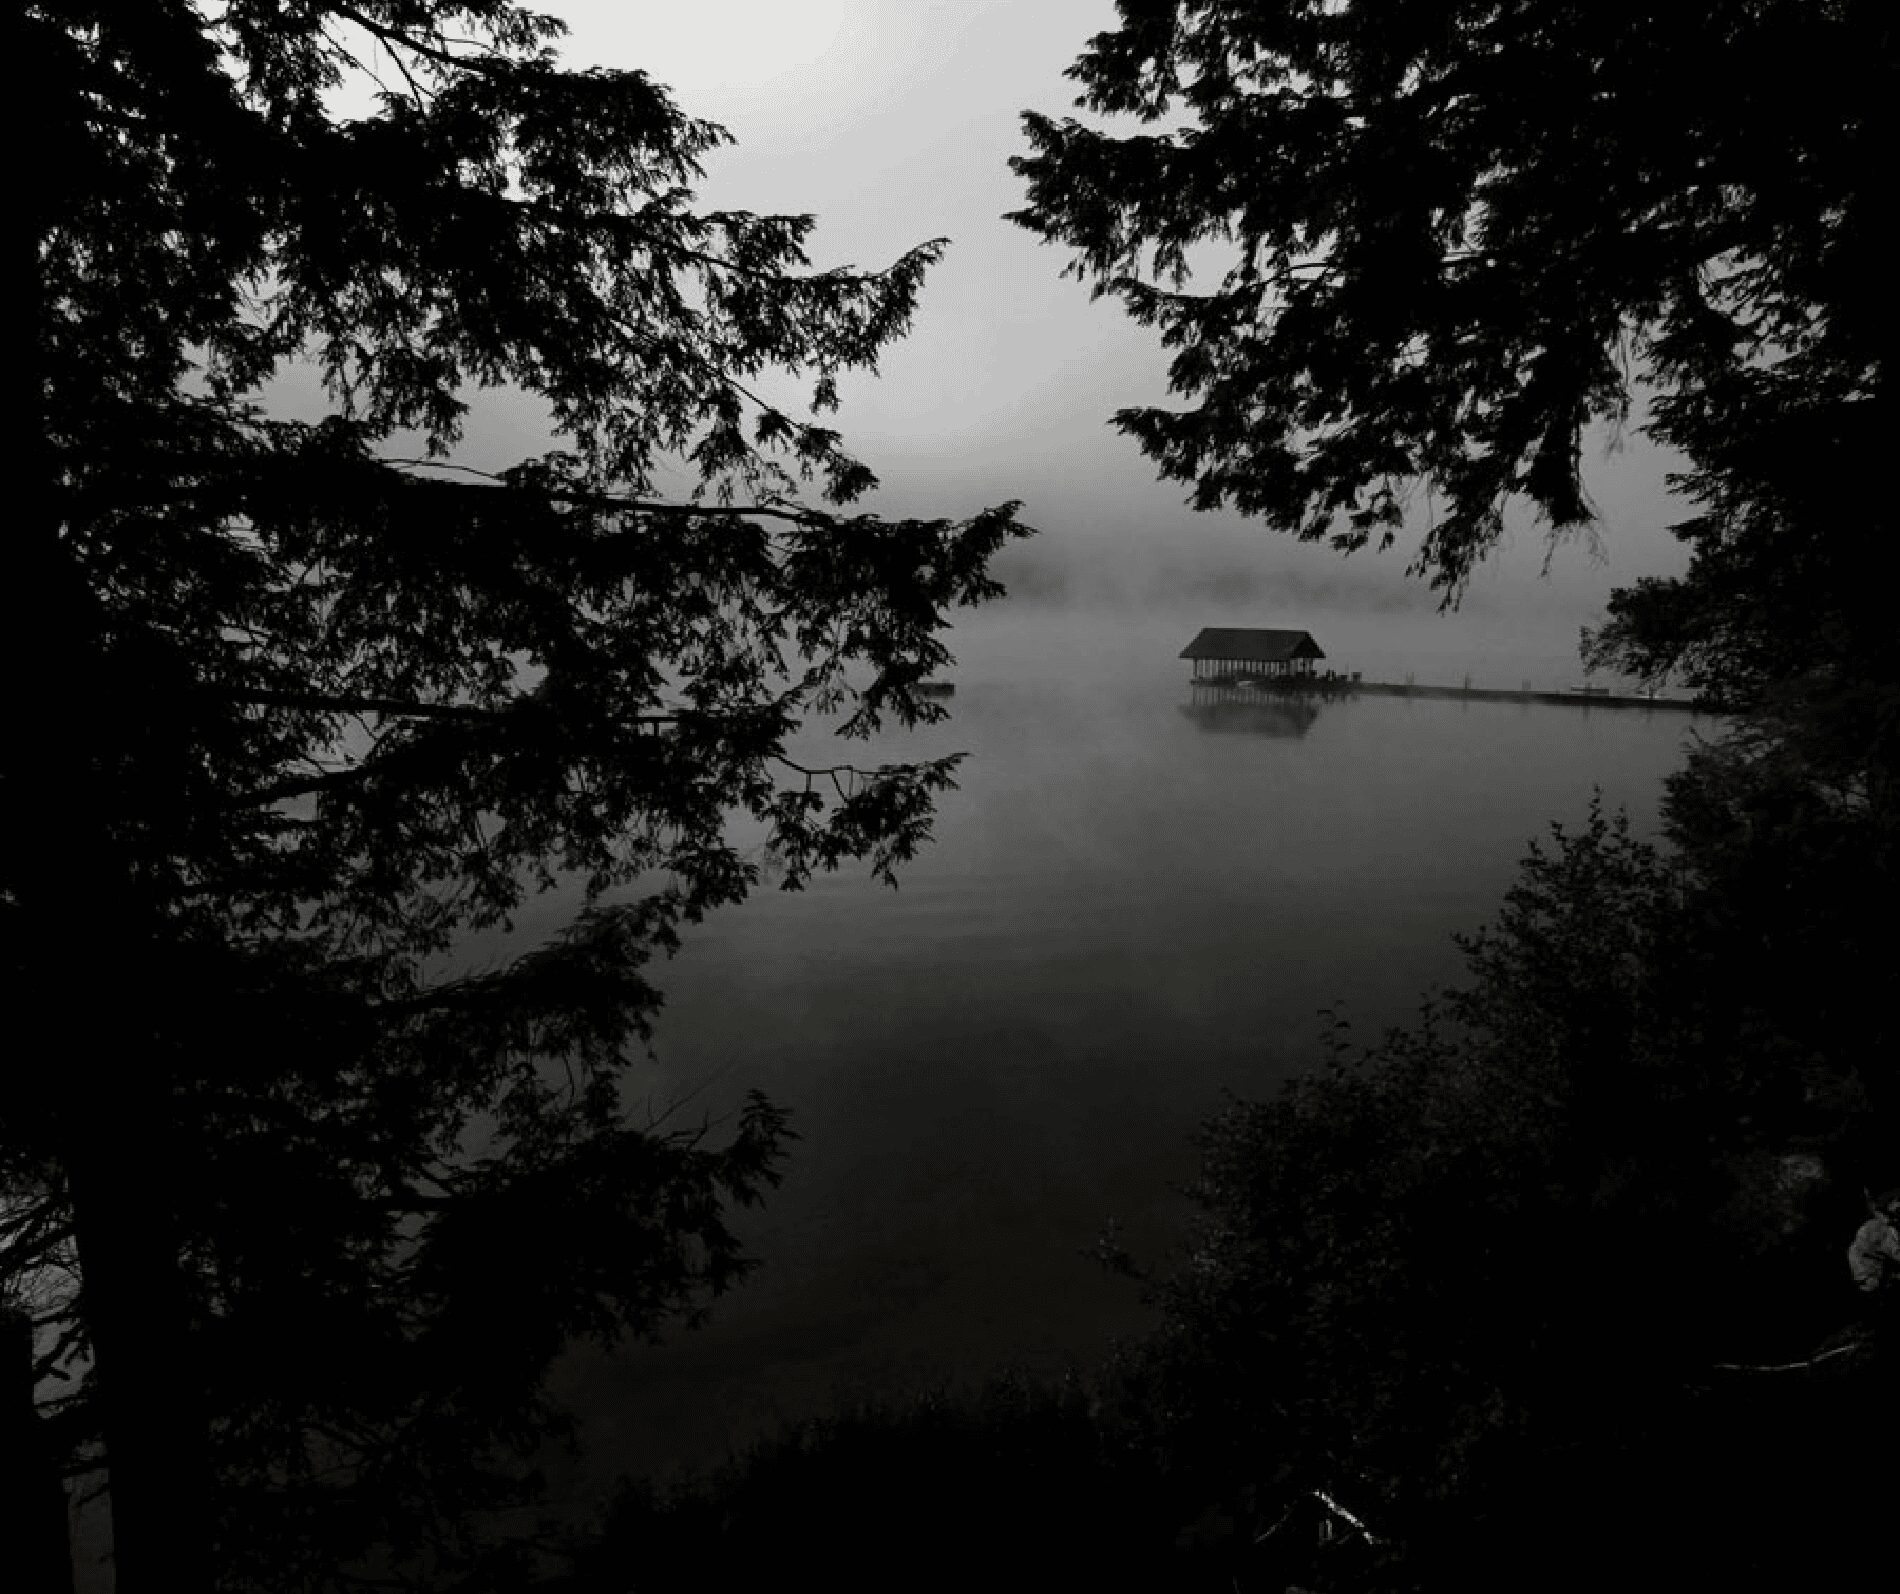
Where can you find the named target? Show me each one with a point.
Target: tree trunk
(151, 1394)
(37, 1545)
(81, 951)
(85, 955)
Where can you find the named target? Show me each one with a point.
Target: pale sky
(892, 121)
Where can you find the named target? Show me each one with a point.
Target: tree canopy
(301, 1211)
(1478, 1283)
(1407, 244)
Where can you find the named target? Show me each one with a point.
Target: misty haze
(917, 796)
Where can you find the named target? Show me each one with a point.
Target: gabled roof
(1238, 642)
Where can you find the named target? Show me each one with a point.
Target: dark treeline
(1548, 1289)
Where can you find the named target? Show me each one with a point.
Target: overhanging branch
(350, 703)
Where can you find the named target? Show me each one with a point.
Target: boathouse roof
(1241, 642)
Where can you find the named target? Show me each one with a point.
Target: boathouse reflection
(1251, 711)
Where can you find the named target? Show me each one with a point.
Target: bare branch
(599, 500)
(1791, 1367)
(390, 707)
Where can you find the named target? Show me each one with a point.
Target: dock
(1244, 689)
(1598, 697)
(1251, 664)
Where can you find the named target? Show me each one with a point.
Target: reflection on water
(1254, 710)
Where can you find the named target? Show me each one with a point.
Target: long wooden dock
(1497, 694)
(1243, 690)
(1246, 664)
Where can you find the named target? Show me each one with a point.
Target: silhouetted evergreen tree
(1443, 238)
(1431, 244)
(299, 703)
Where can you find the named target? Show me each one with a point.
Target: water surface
(1130, 907)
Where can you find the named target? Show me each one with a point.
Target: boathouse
(1229, 652)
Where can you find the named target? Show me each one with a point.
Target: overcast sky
(892, 121)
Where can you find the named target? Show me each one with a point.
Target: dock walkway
(1497, 694)
(1325, 686)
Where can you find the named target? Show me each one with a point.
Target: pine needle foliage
(303, 1212)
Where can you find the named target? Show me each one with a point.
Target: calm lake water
(1129, 909)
